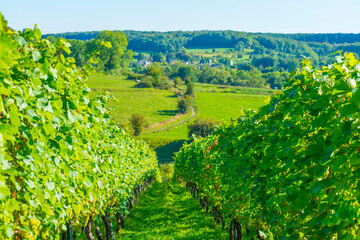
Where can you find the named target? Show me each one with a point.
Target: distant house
(144, 63)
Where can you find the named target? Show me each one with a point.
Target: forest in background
(217, 57)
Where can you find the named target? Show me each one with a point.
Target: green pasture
(109, 82)
(224, 106)
(156, 105)
(214, 101)
(218, 106)
(204, 87)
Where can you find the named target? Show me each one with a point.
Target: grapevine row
(292, 169)
(63, 162)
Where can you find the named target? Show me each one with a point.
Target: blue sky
(286, 16)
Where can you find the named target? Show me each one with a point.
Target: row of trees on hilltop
(166, 42)
(251, 60)
(110, 46)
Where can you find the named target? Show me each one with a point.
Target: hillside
(159, 107)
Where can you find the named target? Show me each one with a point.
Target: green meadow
(218, 102)
(156, 105)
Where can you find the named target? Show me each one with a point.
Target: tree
(190, 88)
(158, 57)
(187, 71)
(137, 122)
(155, 70)
(115, 57)
(78, 49)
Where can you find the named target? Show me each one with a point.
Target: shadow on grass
(167, 211)
(167, 112)
(172, 96)
(166, 152)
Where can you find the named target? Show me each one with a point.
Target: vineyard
(65, 167)
(290, 170)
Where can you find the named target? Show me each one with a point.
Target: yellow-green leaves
(5, 51)
(4, 191)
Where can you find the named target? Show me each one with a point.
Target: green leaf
(1, 141)
(31, 114)
(30, 183)
(47, 210)
(317, 187)
(50, 186)
(316, 147)
(4, 191)
(37, 33)
(14, 118)
(5, 165)
(20, 40)
(9, 232)
(5, 51)
(36, 55)
(356, 97)
(355, 160)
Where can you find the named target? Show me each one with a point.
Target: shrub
(137, 122)
(146, 82)
(202, 128)
(177, 82)
(184, 104)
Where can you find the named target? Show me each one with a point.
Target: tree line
(166, 42)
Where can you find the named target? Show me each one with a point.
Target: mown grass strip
(167, 211)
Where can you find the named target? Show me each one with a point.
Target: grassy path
(167, 211)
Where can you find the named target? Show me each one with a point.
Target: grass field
(218, 106)
(224, 106)
(204, 87)
(156, 105)
(168, 211)
(215, 102)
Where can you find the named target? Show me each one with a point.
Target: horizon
(88, 31)
(260, 16)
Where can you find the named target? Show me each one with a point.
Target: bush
(146, 82)
(137, 122)
(202, 128)
(162, 83)
(184, 104)
(177, 82)
(190, 88)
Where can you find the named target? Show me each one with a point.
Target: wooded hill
(322, 43)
